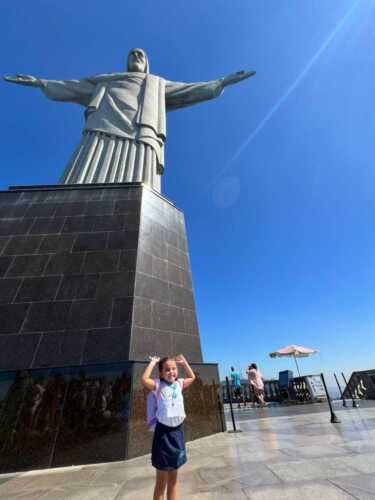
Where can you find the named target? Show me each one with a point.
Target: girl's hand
(154, 359)
(180, 359)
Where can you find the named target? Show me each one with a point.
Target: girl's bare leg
(172, 485)
(160, 485)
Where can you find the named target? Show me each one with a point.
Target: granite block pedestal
(93, 279)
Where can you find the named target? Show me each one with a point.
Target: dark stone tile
(101, 262)
(80, 224)
(191, 323)
(160, 268)
(165, 317)
(78, 287)
(64, 263)
(186, 279)
(116, 285)
(8, 289)
(17, 351)
(60, 349)
(122, 193)
(38, 289)
(28, 265)
(8, 198)
(177, 319)
(161, 317)
(21, 245)
(142, 312)
(5, 263)
(151, 288)
(13, 210)
(99, 208)
(174, 274)
(58, 196)
(126, 206)
(109, 222)
(57, 243)
(41, 210)
(90, 242)
(71, 209)
(85, 195)
(12, 317)
(178, 258)
(128, 260)
(10, 227)
(32, 196)
(144, 262)
(3, 242)
(182, 244)
(123, 240)
(172, 238)
(107, 345)
(147, 342)
(90, 314)
(47, 316)
(122, 312)
(181, 297)
(132, 221)
(47, 225)
(189, 346)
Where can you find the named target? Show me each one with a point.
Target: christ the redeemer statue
(124, 135)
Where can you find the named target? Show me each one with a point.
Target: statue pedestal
(93, 279)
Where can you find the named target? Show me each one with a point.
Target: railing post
(341, 393)
(355, 404)
(231, 407)
(334, 418)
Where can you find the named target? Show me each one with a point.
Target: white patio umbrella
(294, 351)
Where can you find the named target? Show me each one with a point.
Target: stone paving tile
(81, 492)
(364, 463)
(286, 458)
(25, 495)
(322, 490)
(317, 468)
(361, 486)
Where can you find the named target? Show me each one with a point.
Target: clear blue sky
(276, 177)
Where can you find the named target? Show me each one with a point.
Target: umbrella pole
(295, 359)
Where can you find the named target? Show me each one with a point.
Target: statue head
(138, 61)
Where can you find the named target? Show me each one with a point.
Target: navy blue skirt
(168, 447)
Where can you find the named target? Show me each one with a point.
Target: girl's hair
(253, 365)
(163, 361)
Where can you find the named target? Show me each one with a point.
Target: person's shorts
(237, 392)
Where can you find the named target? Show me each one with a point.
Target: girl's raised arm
(146, 379)
(180, 359)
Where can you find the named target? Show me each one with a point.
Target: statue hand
(236, 77)
(28, 80)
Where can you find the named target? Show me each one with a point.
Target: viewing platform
(283, 452)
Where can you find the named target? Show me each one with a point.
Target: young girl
(168, 446)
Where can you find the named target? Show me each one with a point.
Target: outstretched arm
(180, 95)
(76, 91)
(146, 379)
(180, 359)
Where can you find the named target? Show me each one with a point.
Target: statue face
(137, 61)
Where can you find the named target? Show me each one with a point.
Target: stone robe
(125, 128)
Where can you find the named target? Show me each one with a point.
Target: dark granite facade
(89, 414)
(93, 274)
(93, 279)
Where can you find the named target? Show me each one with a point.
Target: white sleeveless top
(170, 401)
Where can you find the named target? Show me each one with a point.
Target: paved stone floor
(287, 453)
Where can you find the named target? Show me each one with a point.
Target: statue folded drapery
(125, 125)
